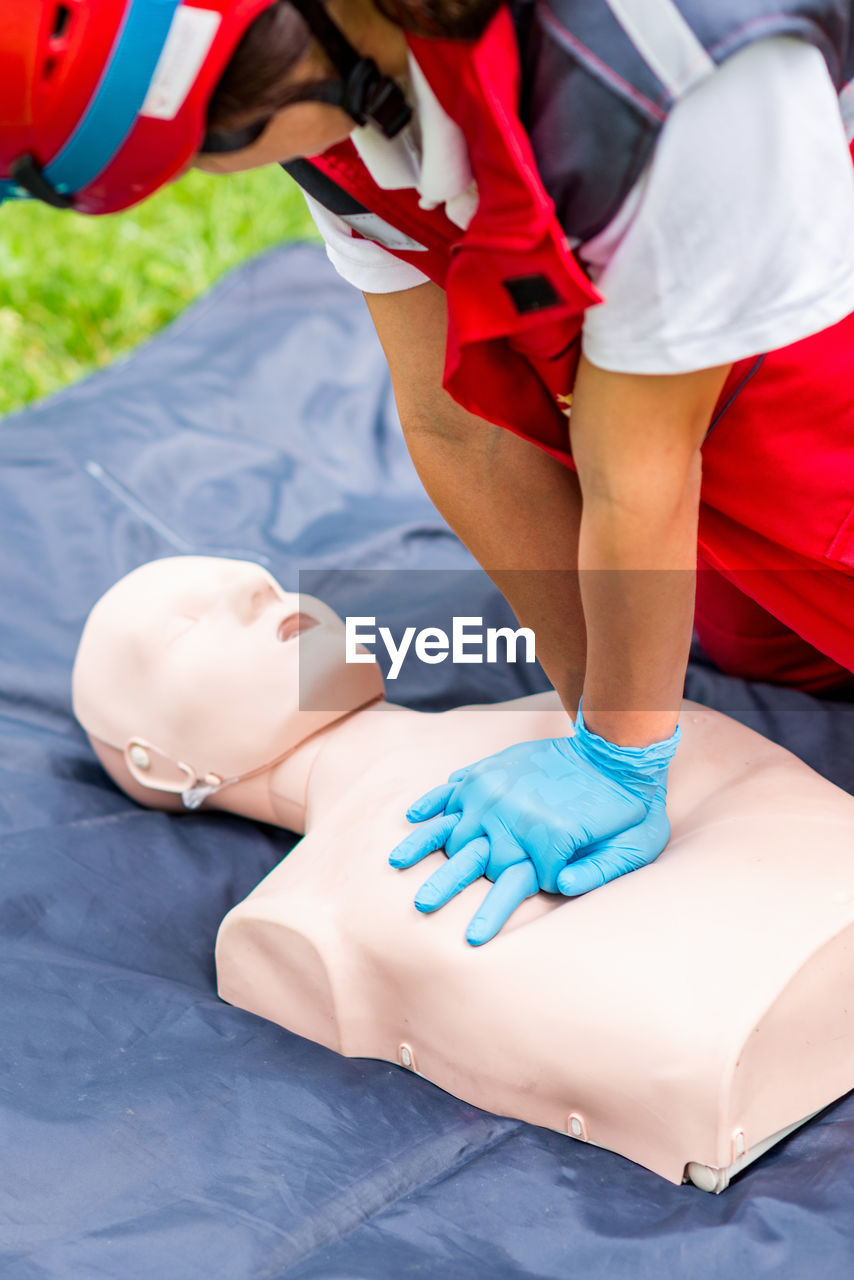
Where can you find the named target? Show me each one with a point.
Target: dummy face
(205, 660)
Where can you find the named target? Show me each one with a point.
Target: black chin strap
(363, 92)
(27, 173)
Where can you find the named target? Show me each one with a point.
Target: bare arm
(515, 508)
(636, 442)
(624, 561)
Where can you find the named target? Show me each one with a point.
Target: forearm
(515, 508)
(518, 512)
(636, 441)
(639, 619)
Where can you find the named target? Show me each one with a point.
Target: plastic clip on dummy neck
(195, 796)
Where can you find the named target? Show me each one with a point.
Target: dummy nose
(249, 603)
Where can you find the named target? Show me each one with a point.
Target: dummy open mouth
(294, 624)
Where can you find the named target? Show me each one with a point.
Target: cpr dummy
(687, 1015)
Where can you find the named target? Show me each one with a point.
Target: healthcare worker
(608, 247)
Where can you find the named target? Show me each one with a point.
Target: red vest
(516, 294)
(777, 512)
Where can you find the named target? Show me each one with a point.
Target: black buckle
(387, 109)
(370, 97)
(367, 95)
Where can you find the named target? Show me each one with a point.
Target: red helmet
(102, 101)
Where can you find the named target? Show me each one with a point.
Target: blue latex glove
(563, 814)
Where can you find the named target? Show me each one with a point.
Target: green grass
(76, 292)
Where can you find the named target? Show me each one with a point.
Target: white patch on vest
(665, 42)
(372, 227)
(846, 106)
(187, 45)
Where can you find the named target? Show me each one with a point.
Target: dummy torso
(669, 995)
(701, 1003)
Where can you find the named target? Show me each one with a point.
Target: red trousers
(743, 639)
(776, 583)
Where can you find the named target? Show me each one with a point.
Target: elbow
(438, 418)
(661, 484)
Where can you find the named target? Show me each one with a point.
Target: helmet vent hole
(48, 68)
(61, 20)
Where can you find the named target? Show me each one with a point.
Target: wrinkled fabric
(146, 1127)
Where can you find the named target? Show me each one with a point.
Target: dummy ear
(152, 768)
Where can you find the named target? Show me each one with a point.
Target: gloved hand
(563, 814)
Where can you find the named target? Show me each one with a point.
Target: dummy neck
(278, 793)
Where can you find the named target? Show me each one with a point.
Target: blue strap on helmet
(114, 106)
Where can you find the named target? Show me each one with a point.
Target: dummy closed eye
(179, 627)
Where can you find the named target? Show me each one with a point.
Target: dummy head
(200, 670)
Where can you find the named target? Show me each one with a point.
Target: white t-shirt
(737, 239)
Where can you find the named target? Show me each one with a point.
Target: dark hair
(255, 82)
(441, 19)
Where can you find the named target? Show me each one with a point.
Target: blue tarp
(146, 1128)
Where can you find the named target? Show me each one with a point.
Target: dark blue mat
(147, 1129)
